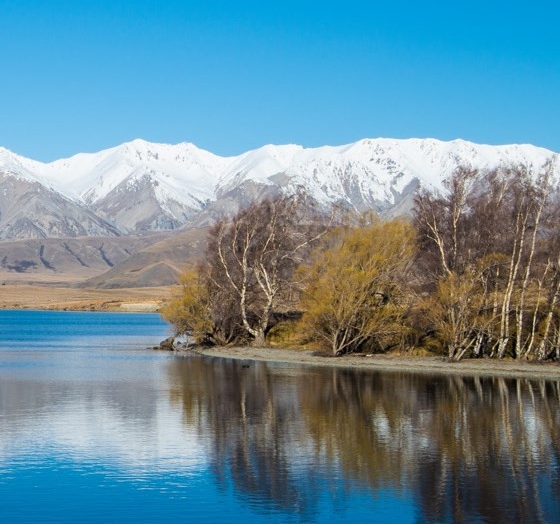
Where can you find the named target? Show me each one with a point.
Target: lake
(97, 427)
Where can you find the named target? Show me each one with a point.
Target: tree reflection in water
(465, 448)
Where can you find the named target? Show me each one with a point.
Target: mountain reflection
(125, 424)
(465, 448)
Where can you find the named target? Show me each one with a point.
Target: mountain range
(144, 190)
(141, 186)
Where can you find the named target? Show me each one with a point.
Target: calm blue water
(96, 427)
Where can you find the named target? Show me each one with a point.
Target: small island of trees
(474, 271)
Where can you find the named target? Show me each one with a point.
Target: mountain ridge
(142, 186)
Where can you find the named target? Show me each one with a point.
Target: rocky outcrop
(166, 345)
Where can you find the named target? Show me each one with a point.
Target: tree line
(473, 272)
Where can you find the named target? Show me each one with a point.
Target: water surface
(96, 427)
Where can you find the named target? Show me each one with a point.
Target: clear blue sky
(80, 76)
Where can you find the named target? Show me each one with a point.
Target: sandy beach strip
(402, 363)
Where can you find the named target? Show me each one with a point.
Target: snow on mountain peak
(22, 167)
(92, 176)
(369, 173)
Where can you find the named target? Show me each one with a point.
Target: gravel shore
(412, 364)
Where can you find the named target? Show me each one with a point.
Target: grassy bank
(86, 299)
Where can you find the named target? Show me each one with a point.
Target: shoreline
(391, 363)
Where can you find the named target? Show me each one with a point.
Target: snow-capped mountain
(31, 209)
(140, 186)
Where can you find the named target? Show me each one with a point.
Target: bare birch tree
(493, 218)
(253, 257)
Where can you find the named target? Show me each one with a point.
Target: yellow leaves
(188, 312)
(455, 312)
(352, 287)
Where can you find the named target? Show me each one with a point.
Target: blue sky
(80, 76)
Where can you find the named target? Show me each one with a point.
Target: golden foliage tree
(189, 312)
(354, 296)
(454, 312)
